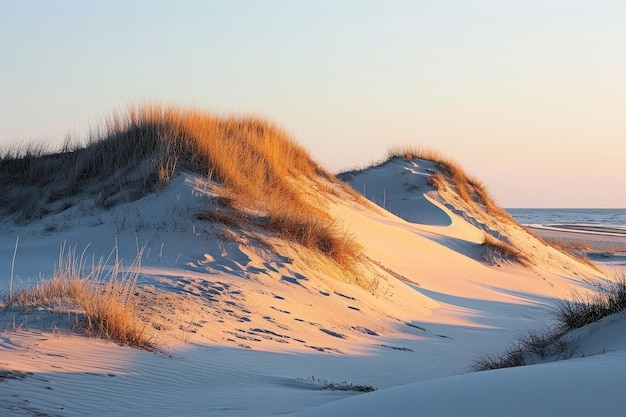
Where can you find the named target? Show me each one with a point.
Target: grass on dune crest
(258, 167)
(102, 296)
(471, 190)
(144, 148)
(474, 192)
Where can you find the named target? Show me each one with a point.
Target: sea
(611, 218)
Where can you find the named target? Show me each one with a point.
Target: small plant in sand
(497, 250)
(324, 384)
(102, 297)
(609, 298)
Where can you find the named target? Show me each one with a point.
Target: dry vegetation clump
(497, 250)
(469, 189)
(317, 234)
(570, 314)
(258, 166)
(325, 384)
(103, 298)
(409, 152)
(533, 346)
(437, 180)
(481, 195)
(582, 310)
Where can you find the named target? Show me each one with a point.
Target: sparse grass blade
(103, 296)
(257, 164)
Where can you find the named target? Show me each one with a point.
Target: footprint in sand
(324, 349)
(345, 296)
(365, 330)
(268, 332)
(333, 333)
(291, 280)
(282, 311)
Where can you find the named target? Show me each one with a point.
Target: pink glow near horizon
(527, 96)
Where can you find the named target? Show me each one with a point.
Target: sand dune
(247, 323)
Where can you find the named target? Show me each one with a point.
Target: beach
(598, 238)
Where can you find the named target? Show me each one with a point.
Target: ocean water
(615, 218)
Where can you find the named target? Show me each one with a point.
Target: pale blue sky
(529, 96)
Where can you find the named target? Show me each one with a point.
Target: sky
(528, 96)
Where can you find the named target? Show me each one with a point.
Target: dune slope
(249, 316)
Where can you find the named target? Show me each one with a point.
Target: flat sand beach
(597, 237)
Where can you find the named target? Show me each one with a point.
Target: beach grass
(101, 296)
(570, 314)
(496, 250)
(257, 165)
(471, 190)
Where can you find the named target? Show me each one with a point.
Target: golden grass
(469, 189)
(258, 166)
(453, 172)
(317, 234)
(570, 314)
(474, 193)
(261, 167)
(498, 250)
(410, 152)
(104, 298)
(481, 195)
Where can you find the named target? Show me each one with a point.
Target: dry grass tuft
(258, 166)
(482, 196)
(104, 298)
(536, 345)
(409, 152)
(570, 315)
(497, 250)
(438, 181)
(317, 234)
(582, 310)
(469, 189)
(133, 155)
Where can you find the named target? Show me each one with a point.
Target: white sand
(249, 332)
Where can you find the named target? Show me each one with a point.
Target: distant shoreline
(598, 237)
(578, 228)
